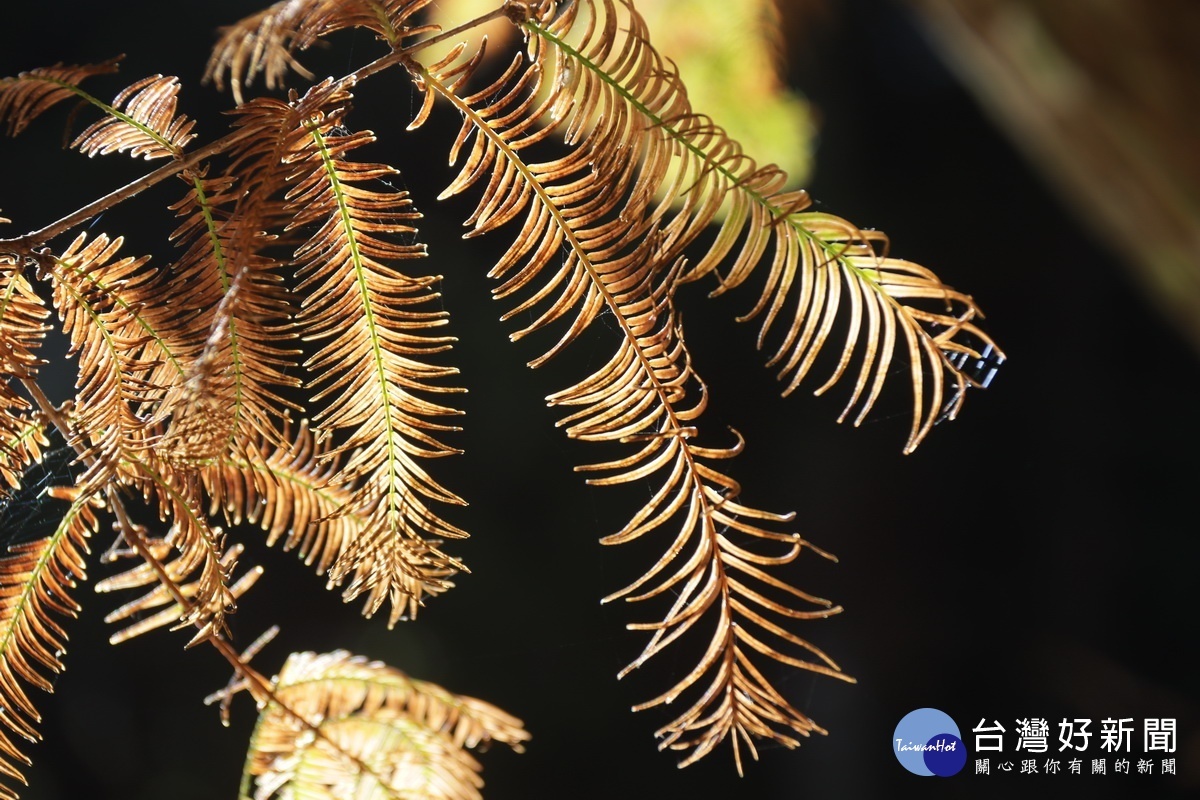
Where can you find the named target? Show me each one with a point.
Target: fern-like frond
(22, 323)
(241, 327)
(816, 257)
(22, 329)
(822, 263)
(36, 580)
(720, 568)
(231, 394)
(105, 337)
(142, 122)
(268, 41)
(374, 365)
(95, 296)
(30, 94)
(368, 731)
(592, 243)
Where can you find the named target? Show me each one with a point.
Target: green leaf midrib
(111, 111)
(47, 557)
(395, 505)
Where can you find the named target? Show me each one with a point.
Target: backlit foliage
(287, 368)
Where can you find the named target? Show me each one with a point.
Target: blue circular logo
(927, 742)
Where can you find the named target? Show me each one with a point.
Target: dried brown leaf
(341, 726)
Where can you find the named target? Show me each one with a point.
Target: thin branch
(24, 245)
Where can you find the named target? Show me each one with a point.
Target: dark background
(1034, 558)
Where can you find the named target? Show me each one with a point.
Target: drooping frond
(231, 393)
(36, 579)
(22, 329)
(96, 296)
(22, 323)
(593, 242)
(27, 96)
(374, 366)
(816, 257)
(722, 561)
(368, 731)
(105, 338)
(240, 327)
(141, 121)
(823, 263)
(268, 41)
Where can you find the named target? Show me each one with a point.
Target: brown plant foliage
(315, 406)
